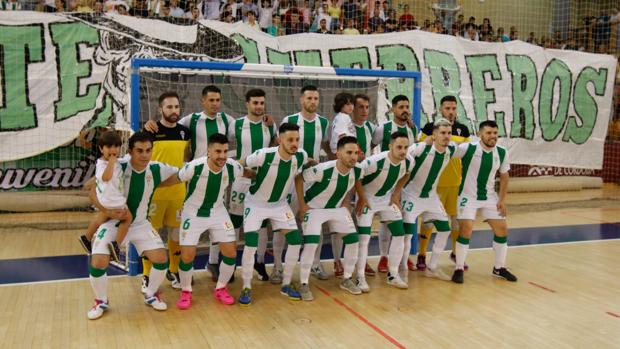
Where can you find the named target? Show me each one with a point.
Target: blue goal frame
(138, 63)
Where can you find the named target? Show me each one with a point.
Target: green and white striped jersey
(479, 169)
(381, 175)
(312, 134)
(364, 134)
(326, 187)
(382, 134)
(140, 186)
(206, 188)
(274, 176)
(201, 127)
(429, 163)
(250, 136)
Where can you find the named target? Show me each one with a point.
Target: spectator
(209, 9)
(175, 10)
(322, 14)
(283, 8)
(501, 36)
(305, 12)
(391, 24)
(275, 25)
(486, 29)
(139, 9)
(406, 20)
(266, 10)
(164, 10)
(472, 21)
(59, 6)
(615, 19)
(227, 17)
(194, 12)
(323, 27)
(531, 39)
(295, 25)
(251, 20)
(350, 9)
(375, 20)
(602, 30)
(350, 29)
(471, 32)
(122, 9)
(335, 10)
(514, 34)
(380, 29)
(248, 6)
(10, 5)
(460, 24)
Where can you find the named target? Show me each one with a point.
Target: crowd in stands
(283, 17)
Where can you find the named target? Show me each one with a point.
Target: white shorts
(338, 219)
(219, 225)
(238, 193)
(431, 209)
(141, 235)
(387, 212)
(468, 207)
(279, 214)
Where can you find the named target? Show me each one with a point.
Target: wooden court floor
(567, 296)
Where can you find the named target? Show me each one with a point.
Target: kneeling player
(481, 161)
(327, 185)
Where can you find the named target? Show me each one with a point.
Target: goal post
(151, 77)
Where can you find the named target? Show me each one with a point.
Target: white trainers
(155, 302)
(348, 285)
(98, 309)
(276, 276)
(145, 284)
(363, 285)
(174, 280)
(397, 282)
(437, 274)
(319, 272)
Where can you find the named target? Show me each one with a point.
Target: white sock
(290, 261)
(214, 253)
(461, 254)
(362, 255)
(501, 250)
(262, 245)
(317, 252)
(395, 254)
(156, 277)
(350, 257)
(185, 277)
(278, 248)
(247, 265)
(384, 239)
(441, 239)
(407, 248)
(306, 262)
(226, 271)
(100, 287)
(336, 246)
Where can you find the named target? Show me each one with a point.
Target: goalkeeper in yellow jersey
(450, 179)
(170, 146)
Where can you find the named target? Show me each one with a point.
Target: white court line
(325, 260)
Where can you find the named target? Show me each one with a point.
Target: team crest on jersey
(149, 178)
(182, 134)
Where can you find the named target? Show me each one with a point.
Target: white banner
(553, 107)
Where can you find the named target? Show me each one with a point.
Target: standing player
(400, 123)
(203, 210)
(382, 173)
(250, 134)
(363, 131)
(448, 186)
(481, 162)
(313, 139)
(419, 196)
(142, 177)
(170, 143)
(327, 186)
(275, 170)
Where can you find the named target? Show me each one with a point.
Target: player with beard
(170, 143)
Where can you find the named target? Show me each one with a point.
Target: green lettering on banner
(249, 47)
(278, 57)
(446, 80)
(399, 57)
(19, 46)
(350, 58)
(524, 84)
(585, 106)
(308, 58)
(478, 66)
(68, 37)
(551, 125)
